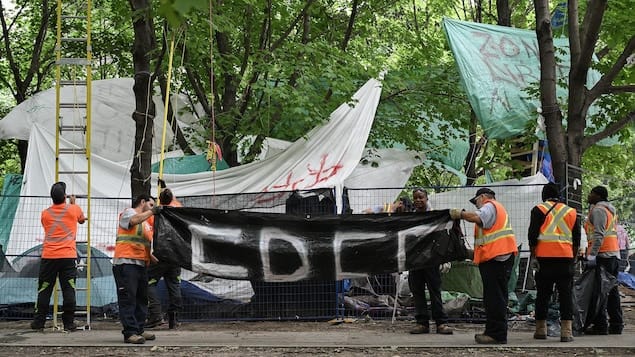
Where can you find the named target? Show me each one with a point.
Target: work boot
(37, 325)
(541, 330)
(597, 330)
(615, 329)
(148, 336)
(566, 331)
(172, 320)
(135, 339)
(444, 329)
(70, 327)
(484, 339)
(151, 323)
(420, 329)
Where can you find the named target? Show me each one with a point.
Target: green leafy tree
(569, 136)
(27, 54)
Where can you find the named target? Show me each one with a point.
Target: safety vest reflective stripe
(133, 240)
(497, 240)
(494, 236)
(131, 243)
(563, 232)
(556, 238)
(58, 224)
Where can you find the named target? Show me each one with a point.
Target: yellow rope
(165, 110)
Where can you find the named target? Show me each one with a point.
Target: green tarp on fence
(8, 204)
(188, 165)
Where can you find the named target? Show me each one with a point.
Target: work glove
(161, 184)
(591, 261)
(534, 265)
(445, 267)
(455, 213)
(157, 209)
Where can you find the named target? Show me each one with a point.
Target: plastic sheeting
(518, 197)
(19, 283)
(328, 156)
(590, 292)
(111, 121)
(497, 65)
(284, 248)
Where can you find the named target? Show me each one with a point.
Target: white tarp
(325, 158)
(112, 125)
(518, 197)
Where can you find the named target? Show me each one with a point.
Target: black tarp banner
(278, 247)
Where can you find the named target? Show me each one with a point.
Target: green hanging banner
(498, 65)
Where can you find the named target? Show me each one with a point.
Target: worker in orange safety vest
(495, 249)
(554, 238)
(59, 257)
(132, 256)
(603, 250)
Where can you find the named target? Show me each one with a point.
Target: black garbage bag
(590, 293)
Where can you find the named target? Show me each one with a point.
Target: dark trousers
(51, 269)
(612, 305)
(171, 276)
(495, 275)
(132, 296)
(558, 273)
(417, 281)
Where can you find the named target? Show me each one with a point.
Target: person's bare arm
(82, 218)
(471, 216)
(140, 217)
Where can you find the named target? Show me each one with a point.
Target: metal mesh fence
(210, 298)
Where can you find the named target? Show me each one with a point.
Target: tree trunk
(145, 111)
(548, 82)
(504, 13)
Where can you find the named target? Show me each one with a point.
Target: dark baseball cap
(58, 192)
(481, 191)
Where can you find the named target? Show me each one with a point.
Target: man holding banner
(495, 248)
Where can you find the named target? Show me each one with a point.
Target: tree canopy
(277, 69)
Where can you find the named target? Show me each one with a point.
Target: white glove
(445, 267)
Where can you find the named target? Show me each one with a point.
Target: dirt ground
(349, 326)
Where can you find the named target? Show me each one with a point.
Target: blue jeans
(132, 295)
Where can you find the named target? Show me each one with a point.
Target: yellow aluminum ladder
(73, 54)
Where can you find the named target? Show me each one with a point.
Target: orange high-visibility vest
(609, 244)
(60, 229)
(135, 242)
(497, 240)
(555, 239)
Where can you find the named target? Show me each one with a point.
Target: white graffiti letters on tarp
(338, 242)
(267, 235)
(200, 263)
(274, 254)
